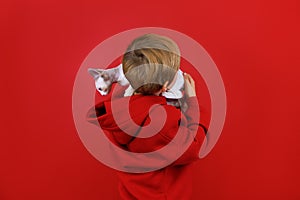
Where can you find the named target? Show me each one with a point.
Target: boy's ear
(165, 86)
(95, 72)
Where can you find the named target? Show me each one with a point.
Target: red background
(255, 44)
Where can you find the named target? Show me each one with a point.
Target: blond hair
(150, 61)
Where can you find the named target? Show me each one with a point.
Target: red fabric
(171, 182)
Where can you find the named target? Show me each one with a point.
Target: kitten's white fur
(105, 77)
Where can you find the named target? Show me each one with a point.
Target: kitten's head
(102, 79)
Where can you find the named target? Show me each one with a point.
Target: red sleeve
(192, 127)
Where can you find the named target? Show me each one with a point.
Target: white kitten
(105, 77)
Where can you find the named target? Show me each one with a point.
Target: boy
(150, 64)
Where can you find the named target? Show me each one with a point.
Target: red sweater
(171, 182)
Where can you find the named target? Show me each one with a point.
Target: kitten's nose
(103, 89)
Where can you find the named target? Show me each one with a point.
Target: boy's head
(149, 62)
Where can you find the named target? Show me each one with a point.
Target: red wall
(255, 44)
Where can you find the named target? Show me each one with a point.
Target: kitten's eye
(105, 77)
(100, 89)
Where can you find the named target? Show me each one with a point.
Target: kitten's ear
(95, 72)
